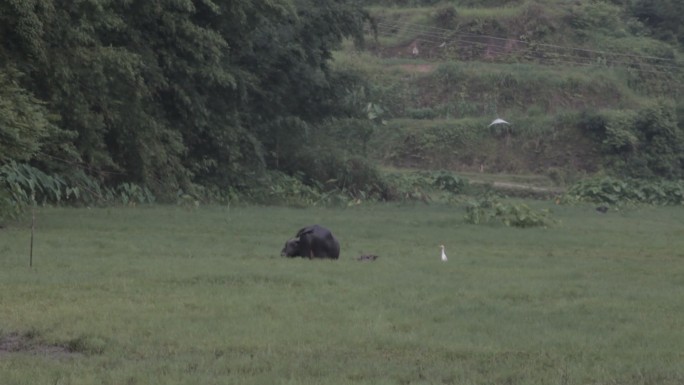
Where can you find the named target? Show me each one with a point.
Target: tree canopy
(168, 93)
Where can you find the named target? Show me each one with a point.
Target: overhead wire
(555, 57)
(563, 59)
(388, 30)
(541, 52)
(446, 32)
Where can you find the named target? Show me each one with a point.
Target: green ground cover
(166, 295)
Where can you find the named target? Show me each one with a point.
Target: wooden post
(33, 227)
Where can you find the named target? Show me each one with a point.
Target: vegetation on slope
(170, 95)
(250, 99)
(588, 87)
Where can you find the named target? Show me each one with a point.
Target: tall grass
(164, 295)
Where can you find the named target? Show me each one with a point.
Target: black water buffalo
(312, 242)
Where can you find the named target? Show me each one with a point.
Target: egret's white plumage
(497, 121)
(444, 257)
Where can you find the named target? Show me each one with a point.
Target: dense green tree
(665, 17)
(293, 89)
(23, 121)
(170, 93)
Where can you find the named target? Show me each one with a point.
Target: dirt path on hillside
(521, 187)
(419, 68)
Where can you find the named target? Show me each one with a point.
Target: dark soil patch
(13, 343)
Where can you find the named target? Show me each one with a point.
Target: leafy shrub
(613, 191)
(603, 190)
(643, 144)
(419, 186)
(26, 183)
(408, 187)
(446, 17)
(22, 185)
(277, 188)
(351, 180)
(328, 170)
(488, 209)
(132, 194)
(619, 134)
(481, 210)
(594, 15)
(449, 182)
(521, 215)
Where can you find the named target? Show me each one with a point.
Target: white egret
(444, 257)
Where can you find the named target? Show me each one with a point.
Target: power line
(533, 51)
(565, 59)
(443, 32)
(469, 39)
(389, 30)
(555, 57)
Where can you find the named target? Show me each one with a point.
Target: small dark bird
(367, 257)
(602, 209)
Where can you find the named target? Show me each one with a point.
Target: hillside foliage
(586, 86)
(170, 94)
(274, 100)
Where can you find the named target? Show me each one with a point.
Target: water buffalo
(312, 242)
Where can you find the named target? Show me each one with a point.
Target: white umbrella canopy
(497, 121)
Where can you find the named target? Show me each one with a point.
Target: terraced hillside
(586, 87)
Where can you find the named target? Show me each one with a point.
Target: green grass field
(164, 295)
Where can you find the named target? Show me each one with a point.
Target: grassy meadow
(167, 295)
